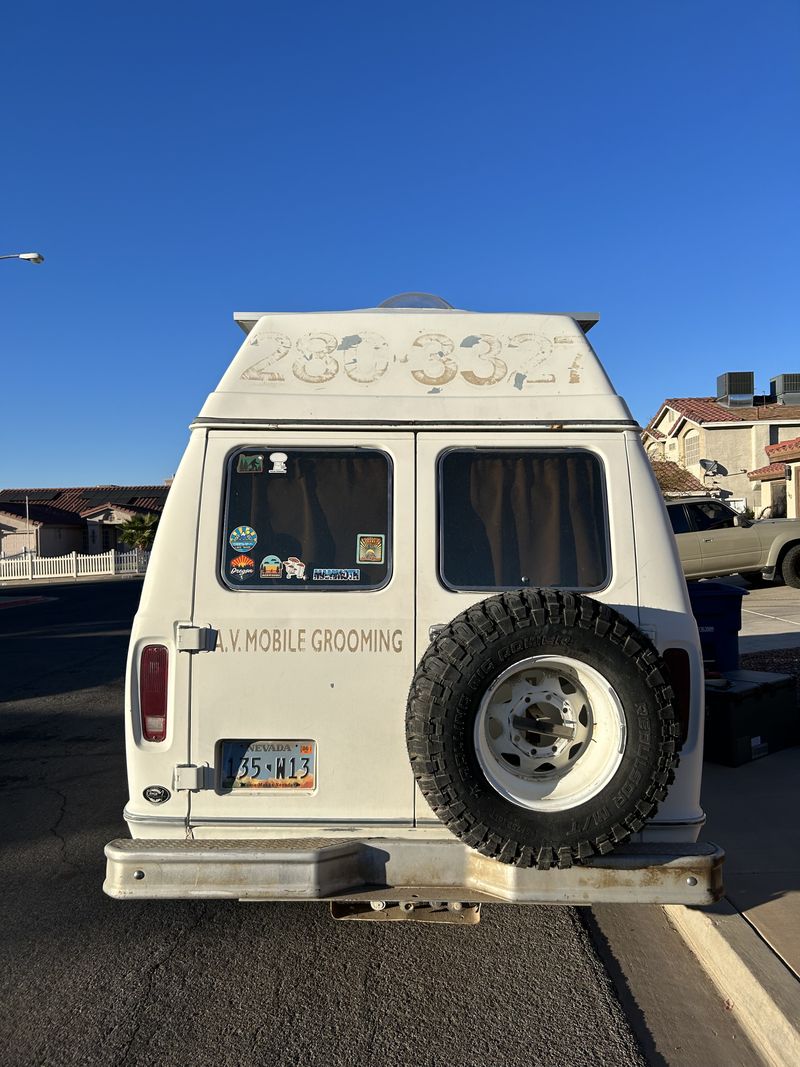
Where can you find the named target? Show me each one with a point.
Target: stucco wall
(51, 540)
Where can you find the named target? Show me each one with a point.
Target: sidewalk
(750, 942)
(753, 812)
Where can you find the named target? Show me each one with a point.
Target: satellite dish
(709, 465)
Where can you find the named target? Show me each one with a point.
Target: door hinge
(190, 638)
(188, 777)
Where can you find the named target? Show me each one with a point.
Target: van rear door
(305, 566)
(508, 510)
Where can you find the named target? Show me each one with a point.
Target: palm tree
(139, 531)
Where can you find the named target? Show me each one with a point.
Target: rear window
(522, 518)
(299, 519)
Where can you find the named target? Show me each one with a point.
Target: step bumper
(353, 870)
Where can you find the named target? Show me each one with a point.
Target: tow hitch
(457, 912)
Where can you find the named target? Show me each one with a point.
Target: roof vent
(736, 388)
(785, 389)
(417, 300)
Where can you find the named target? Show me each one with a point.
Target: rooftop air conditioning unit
(736, 388)
(785, 389)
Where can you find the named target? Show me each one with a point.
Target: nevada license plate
(269, 765)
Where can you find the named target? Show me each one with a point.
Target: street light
(32, 257)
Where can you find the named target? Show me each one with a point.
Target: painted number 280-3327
(433, 359)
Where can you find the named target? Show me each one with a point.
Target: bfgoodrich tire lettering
(472, 795)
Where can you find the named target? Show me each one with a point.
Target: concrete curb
(757, 986)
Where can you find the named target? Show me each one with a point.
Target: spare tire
(541, 728)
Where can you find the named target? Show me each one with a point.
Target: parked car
(715, 540)
(414, 632)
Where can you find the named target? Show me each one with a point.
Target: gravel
(780, 661)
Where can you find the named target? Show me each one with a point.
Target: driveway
(770, 618)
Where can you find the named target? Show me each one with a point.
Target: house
(721, 440)
(779, 480)
(53, 522)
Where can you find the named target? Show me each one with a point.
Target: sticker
(242, 567)
(250, 465)
(271, 567)
(278, 461)
(294, 568)
(369, 548)
(243, 538)
(336, 574)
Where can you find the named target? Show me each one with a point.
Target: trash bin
(717, 608)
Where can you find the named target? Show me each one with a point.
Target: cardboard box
(750, 715)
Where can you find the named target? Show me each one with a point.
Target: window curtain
(317, 509)
(523, 519)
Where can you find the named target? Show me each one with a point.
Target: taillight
(680, 671)
(153, 669)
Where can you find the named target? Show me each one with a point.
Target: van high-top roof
(415, 366)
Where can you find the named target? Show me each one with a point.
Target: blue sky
(176, 162)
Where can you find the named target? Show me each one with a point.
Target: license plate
(269, 765)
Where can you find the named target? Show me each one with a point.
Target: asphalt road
(88, 980)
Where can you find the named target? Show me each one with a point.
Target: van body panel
(666, 613)
(332, 666)
(416, 366)
(167, 598)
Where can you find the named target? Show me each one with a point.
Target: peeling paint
(277, 345)
(435, 348)
(368, 356)
(434, 360)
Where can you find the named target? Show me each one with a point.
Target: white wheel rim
(534, 767)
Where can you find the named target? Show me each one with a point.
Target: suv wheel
(790, 567)
(541, 728)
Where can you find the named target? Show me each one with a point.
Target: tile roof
(783, 447)
(143, 507)
(703, 409)
(764, 474)
(77, 501)
(41, 513)
(674, 479)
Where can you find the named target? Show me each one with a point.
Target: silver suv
(713, 540)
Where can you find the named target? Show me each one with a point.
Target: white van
(414, 633)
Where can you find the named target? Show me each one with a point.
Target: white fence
(26, 568)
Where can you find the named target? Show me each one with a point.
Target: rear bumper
(380, 868)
